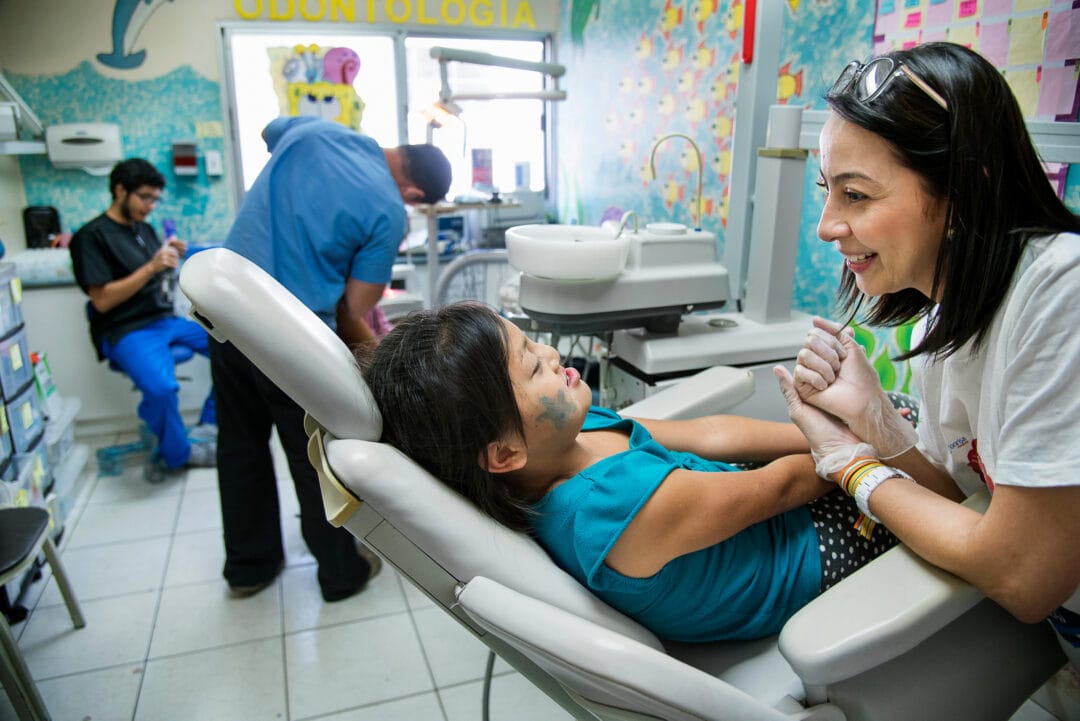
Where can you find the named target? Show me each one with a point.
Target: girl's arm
(692, 510)
(728, 438)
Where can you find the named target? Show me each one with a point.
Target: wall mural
(129, 18)
(651, 69)
(181, 105)
(670, 66)
(318, 81)
(151, 114)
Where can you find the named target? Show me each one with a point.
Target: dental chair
(897, 640)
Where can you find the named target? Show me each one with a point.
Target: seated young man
(127, 271)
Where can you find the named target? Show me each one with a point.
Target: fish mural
(701, 11)
(789, 84)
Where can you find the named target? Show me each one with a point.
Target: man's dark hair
(134, 173)
(428, 169)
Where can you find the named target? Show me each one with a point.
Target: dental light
(448, 99)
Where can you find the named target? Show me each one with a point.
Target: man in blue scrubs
(325, 217)
(128, 273)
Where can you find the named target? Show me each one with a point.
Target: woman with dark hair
(635, 510)
(938, 203)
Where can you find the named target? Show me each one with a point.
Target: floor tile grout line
(284, 646)
(373, 704)
(160, 594)
(423, 649)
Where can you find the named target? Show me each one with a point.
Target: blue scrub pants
(145, 355)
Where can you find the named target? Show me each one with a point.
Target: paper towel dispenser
(93, 147)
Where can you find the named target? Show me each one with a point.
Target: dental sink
(568, 253)
(579, 278)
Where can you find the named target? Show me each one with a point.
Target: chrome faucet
(700, 170)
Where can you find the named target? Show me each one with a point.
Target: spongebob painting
(317, 81)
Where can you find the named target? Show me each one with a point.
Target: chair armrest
(605, 667)
(709, 391)
(880, 612)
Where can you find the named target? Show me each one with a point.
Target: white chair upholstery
(898, 640)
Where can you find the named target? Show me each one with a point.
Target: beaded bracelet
(859, 478)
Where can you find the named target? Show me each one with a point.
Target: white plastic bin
(60, 431)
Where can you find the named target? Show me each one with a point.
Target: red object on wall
(749, 18)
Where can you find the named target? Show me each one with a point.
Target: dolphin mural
(129, 17)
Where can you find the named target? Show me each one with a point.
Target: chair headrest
(239, 302)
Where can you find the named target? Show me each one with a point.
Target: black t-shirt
(103, 251)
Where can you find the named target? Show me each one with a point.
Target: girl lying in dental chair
(642, 512)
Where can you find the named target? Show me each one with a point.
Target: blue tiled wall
(151, 114)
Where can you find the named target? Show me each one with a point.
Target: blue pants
(146, 356)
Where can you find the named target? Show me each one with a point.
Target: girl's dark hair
(442, 384)
(978, 157)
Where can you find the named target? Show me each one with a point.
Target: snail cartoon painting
(129, 18)
(313, 80)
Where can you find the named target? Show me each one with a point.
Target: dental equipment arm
(701, 394)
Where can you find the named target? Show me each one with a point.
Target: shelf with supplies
(40, 463)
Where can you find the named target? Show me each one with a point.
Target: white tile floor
(164, 642)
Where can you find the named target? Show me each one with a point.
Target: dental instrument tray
(588, 279)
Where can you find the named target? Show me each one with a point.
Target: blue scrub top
(324, 209)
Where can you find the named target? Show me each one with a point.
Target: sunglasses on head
(866, 82)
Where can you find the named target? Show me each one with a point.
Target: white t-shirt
(1010, 413)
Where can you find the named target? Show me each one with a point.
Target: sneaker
(251, 590)
(203, 432)
(155, 471)
(374, 566)
(203, 455)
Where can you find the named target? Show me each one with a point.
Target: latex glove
(832, 444)
(834, 374)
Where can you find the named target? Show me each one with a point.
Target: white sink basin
(567, 252)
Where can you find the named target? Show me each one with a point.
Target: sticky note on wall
(1026, 37)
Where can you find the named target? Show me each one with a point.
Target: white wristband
(869, 482)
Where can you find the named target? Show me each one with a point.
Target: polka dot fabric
(843, 550)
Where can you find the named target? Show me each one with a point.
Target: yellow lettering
(524, 16)
(346, 9)
(245, 15)
(371, 11)
(398, 17)
(480, 12)
(502, 14)
(453, 19)
(421, 18)
(276, 14)
(321, 4)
